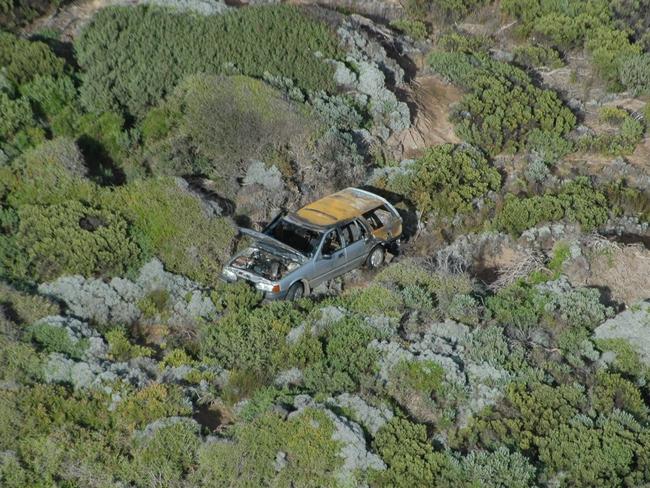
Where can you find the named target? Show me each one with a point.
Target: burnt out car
(329, 237)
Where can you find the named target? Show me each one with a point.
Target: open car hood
(274, 245)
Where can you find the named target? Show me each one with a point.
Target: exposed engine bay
(264, 264)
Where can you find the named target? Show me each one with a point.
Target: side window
(332, 243)
(378, 217)
(352, 232)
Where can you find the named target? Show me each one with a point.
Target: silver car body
(319, 242)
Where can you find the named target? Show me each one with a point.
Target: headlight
(229, 275)
(271, 287)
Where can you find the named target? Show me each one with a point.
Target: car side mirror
(326, 256)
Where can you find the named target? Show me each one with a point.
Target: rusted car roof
(339, 207)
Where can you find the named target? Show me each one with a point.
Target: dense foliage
(503, 106)
(128, 67)
(447, 180)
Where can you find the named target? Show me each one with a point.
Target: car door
(330, 259)
(357, 245)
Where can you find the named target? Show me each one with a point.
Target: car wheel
(296, 291)
(376, 257)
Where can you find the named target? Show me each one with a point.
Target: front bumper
(268, 295)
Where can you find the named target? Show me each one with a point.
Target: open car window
(378, 217)
(303, 240)
(332, 243)
(352, 233)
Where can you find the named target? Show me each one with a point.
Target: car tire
(376, 257)
(296, 291)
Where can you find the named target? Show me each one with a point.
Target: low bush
(547, 146)
(577, 201)
(15, 14)
(68, 238)
(25, 60)
(447, 180)
(464, 43)
(629, 133)
(16, 115)
(410, 458)
(609, 49)
(120, 347)
(537, 56)
(165, 456)
(172, 224)
(415, 29)
(581, 23)
(423, 377)
(57, 339)
(153, 402)
(252, 341)
(24, 307)
(635, 74)
(503, 106)
(51, 173)
(213, 125)
(347, 361)
(310, 455)
(128, 67)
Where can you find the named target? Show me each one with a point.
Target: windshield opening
(302, 240)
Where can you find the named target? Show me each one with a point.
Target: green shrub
(128, 66)
(153, 402)
(529, 414)
(410, 458)
(69, 238)
(15, 14)
(50, 95)
(171, 223)
(592, 456)
(632, 15)
(25, 60)
(497, 469)
(154, 303)
(25, 308)
(120, 347)
(499, 114)
(423, 377)
(614, 392)
(19, 363)
(348, 362)
(635, 74)
(609, 49)
(312, 457)
(250, 341)
(413, 28)
(163, 457)
(629, 134)
(547, 146)
(503, 106)
(16, 115)
(535, 56)
(590, 23)
(576, 201)
(57, 339)
(465, 43)
(372, 300)
(51, 173)
(627, 360)
(213, 125)
(519, 305)
(448, 178)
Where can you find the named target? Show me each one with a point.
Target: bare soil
(431, 100)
